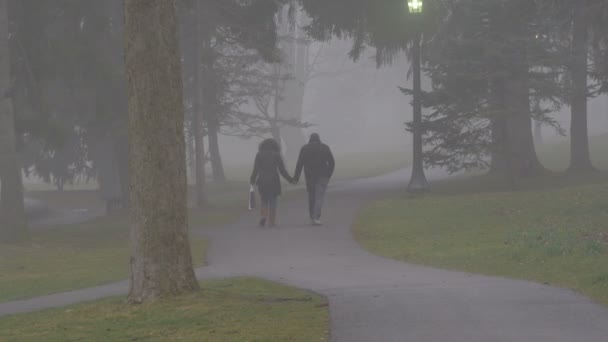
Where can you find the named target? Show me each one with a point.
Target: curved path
(375, 299)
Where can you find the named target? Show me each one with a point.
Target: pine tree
(488, 63)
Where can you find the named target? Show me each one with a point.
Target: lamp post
(418, 182)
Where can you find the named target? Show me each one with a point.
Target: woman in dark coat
(268, 165)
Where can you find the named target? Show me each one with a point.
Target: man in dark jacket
(318, 163)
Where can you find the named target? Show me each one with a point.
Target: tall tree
(488, 65)
(161, 262)
(580, 27)
(13, 225)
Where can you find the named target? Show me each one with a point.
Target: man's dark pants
(316, 195)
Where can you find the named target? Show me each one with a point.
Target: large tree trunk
(161, 262)
(512, 129)
(520, 138)
(579, 136)
(214, 152)
(13, 223)
(502, 149)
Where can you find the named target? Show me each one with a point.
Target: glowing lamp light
(415, 6)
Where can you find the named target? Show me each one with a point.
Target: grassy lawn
(557, 236)
(219, 195)
(79, 256)
(361, 166)
(226, 310)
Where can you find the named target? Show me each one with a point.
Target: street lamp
(415, 6)
(418, 182)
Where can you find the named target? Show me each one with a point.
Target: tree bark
(215, 156)
(520, 138)
(580, 160)
(502, 149)
(523, 158)
(13, 222)
(161, 261)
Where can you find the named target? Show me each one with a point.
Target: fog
(357, 108)
(294, 159)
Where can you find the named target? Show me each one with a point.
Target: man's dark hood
(314, 139)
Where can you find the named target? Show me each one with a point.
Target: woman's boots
(268, 216)
(272, 217)
(264, 213)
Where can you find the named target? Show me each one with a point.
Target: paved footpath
(375, 299)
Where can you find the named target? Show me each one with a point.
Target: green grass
(485, 183)
(225, 194)
(224, 311)
(80, 256)
(557, 236)
(77, 256)
(374, 164)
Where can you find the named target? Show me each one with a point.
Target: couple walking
(318, 164)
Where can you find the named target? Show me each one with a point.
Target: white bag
(251, 197)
